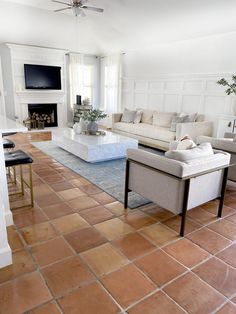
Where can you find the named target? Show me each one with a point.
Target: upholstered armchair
(175, 185)
(226, 144)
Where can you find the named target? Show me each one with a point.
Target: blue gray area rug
(108, 176)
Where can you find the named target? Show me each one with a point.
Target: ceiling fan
(77, 7)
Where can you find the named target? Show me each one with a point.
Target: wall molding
(179, 92)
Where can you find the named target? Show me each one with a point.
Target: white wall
(215, 54)
(2, 98)
(181, 76)
(8, 86)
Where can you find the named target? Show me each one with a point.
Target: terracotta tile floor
(79, 251)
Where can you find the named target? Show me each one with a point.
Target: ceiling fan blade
(62, 9)
(65, 3)
(82, 2)
(92, 9)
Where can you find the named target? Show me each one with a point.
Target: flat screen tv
(42, 77)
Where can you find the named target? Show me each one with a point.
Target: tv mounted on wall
(42, 77)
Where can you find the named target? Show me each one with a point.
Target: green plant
(93, 115)
(231, 87)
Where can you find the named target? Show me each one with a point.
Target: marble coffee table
(92, 148)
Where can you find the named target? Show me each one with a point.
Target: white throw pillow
(185, 144)
(163, 119)
(192, 117)
(138, 116)
(128, 116)
(147, 116)
(203, 150)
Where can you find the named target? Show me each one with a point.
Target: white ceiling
(125, 24)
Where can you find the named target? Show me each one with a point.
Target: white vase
(77, 128)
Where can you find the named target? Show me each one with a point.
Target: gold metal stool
(20, 158)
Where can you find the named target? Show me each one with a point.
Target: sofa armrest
(224, 144)
(229, 135)
(116, 117)
(194, 129)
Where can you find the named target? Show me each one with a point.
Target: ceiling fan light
(77, 11)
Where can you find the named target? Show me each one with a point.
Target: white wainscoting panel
(182, 93)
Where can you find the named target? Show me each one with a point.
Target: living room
(117, 174)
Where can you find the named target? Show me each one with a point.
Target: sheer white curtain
(111, 75)
(76, 69)
(2, 99)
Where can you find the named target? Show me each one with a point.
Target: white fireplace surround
(17, 97)
(24, 98)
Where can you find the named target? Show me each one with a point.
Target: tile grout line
(161, 248)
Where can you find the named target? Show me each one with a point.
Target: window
(110, 92)
(81, 78)
(88, 75)
(111, 88)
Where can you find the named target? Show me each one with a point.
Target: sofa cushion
(123, 126)
(153, 132)
(201, 151)
(138, 116)
(146, 130)
(128, 116)
(147, 116)
(163, 119)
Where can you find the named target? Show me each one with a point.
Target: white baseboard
(8, 218)
(5, 257)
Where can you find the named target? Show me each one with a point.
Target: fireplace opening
(46, 113)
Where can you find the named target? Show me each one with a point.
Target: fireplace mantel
(40, 96)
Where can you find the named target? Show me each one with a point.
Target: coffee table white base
(92, 148)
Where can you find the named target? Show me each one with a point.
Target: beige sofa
(226, 144)
(157, 134)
